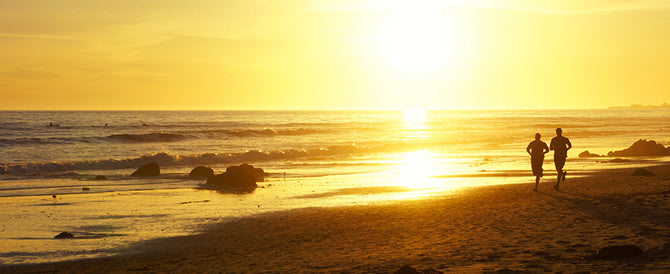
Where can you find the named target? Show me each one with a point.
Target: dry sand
(474, 230)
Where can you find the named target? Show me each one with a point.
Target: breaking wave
(160, 137)
(168, 159)
(146, 138)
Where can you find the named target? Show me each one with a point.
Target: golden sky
(333, 54)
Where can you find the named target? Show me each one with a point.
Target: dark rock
(228, 180)
(619, 252)
(64, 235)
(150, 169)
(85, 189)
(587, 154)
(201, 172)
(242, 177)
(257, 173)
(100, 178)
(642, 148)
(642, 172)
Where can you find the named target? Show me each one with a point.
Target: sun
(414, 118)
(415, 38)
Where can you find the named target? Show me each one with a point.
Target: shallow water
(105, 222)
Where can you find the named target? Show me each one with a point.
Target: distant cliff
(638, 106)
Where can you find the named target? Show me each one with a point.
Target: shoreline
(476, 229)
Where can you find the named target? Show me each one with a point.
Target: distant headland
(636, 106)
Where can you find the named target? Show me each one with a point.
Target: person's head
(537, 136)
(559, 131)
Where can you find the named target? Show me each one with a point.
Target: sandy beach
(483, 229)
(385, 136)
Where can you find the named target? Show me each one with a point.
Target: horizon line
(335, 109)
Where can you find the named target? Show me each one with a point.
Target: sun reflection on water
(414, 119)
(416, 168)
(414, 124)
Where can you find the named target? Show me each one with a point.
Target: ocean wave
(208, 134)
(583, 126)
(171, 160)
(160, 137)
(146, 137)
(5, 142)
(266, 132)
(166, 159)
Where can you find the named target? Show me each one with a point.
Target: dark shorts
(536, 164)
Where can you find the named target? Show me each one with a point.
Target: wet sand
(471, 230)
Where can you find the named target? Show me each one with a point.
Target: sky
(332, 54)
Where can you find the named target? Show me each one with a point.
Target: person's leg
(536, 166)
(560, 175)
(564, 173)
(558, 171)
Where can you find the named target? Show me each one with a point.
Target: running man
(537, 149)
(560, 145)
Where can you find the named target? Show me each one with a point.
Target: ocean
(48, 162)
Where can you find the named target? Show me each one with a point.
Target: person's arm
(569, 144)
(528, 149)
(545, 149)
(552, 146)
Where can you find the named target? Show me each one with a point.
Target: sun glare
(414, 118)
(416, 38)
(416, 169)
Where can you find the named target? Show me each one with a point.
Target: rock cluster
(587, 154)
(642, 148)
(242, 177)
